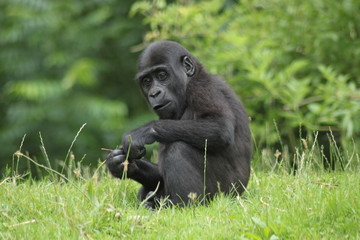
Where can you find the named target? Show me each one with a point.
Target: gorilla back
(196, 110)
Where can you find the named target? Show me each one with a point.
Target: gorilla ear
(188, 66)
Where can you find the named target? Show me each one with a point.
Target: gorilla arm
(219, 133)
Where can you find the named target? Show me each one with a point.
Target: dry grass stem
(23, 223)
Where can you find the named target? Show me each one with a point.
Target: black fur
(193, 106)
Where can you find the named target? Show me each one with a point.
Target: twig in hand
(107, 149)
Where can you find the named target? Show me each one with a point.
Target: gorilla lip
(161, 106)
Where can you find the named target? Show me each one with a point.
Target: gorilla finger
(118, 151)
(137, 152)
(121, 149)
(115, 161)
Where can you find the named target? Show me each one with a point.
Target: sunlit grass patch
(306, 206)
(279, 203)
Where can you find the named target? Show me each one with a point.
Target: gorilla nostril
(155, 93)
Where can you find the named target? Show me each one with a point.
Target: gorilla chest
(179, 156)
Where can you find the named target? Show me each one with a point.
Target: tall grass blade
(43, 150)
(53, 171)
(72, 144)
(16, 170)
(205, 159)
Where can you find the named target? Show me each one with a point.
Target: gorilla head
(164, 69)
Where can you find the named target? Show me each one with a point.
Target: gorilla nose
(155, 92)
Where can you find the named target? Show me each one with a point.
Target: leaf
(35, 90)
(82, 72)
(139, 7)
(274, 237)
(91, 190)
(252, 236)
(296, 66)
(258, 222)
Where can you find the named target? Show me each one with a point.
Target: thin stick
(106, 149)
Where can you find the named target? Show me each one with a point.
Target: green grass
(311, 205)
(78, 203)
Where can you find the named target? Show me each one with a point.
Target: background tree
(295, 64)
(63, 64)
(66, 63)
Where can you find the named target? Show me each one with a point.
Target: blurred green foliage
(63, 64)
(295, 63)
(66, 63)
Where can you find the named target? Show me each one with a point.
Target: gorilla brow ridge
(150, 70)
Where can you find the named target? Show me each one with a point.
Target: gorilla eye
(146, 82)
(162, 75)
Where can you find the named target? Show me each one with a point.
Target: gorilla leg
(152, 197)
(182, 172)
(143, 193)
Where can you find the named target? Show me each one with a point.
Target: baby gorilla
(197, 111)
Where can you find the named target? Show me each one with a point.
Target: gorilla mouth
(161, 106)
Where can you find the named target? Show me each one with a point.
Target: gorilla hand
(115, 163)
(138, 138)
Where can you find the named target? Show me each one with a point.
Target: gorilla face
(164, 84)
(163, 91)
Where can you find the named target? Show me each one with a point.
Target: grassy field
(78, 203)
(277, 205)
